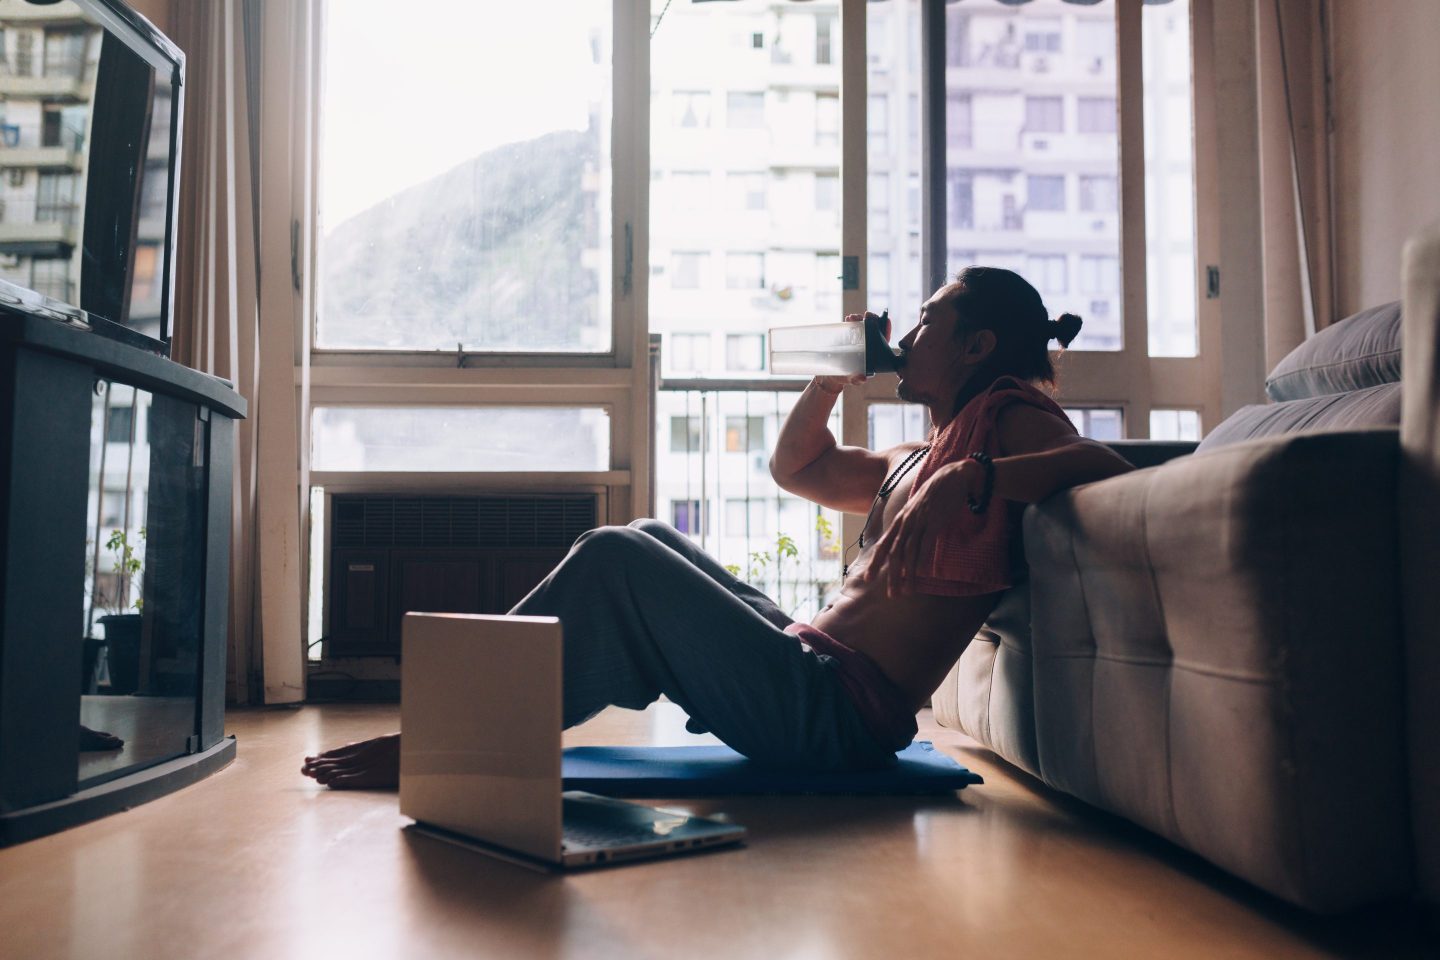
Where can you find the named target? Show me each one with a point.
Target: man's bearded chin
(903, 391)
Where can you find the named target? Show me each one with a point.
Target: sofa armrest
(1216, 656)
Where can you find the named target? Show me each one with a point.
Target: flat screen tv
(90, 109)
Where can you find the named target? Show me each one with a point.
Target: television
(91, 99)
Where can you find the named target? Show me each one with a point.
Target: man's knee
(655, 528)
(607, 541)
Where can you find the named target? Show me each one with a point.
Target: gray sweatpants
(646, 612)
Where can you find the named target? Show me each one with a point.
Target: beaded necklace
(886, 488)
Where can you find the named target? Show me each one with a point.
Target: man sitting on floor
(646, 612)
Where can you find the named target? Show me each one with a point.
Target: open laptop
(480, 714)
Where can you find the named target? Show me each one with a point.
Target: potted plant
(122, 629)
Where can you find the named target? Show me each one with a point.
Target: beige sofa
(1240, 649)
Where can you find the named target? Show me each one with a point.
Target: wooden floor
(256, 861)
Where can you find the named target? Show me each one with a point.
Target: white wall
(1386, 73)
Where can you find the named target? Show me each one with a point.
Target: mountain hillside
(488, 254)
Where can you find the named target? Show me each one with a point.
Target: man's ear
(980, 345)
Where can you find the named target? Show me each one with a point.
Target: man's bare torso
(915, 638)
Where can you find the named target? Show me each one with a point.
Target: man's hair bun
(1066, 329)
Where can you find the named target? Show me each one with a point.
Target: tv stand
(49, 372)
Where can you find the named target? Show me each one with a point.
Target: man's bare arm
(809, 463)
(1041, 456)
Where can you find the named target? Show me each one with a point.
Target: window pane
(745, 516)
(460, 439)
(1098, 423)
(1174, 424)
(1032, 154)
(511, 194)
(758, 257)
(1170, 266)
(892, 424)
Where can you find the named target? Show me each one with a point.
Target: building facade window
(744, 434)
(745, 352)
(745, 109)
(1048, 273)
(690, 352)
(686, 435)
(685, 516)
(1044, 115)
(959, 113)
(745, 271)
(827, 120)
(1098, 194)
(745, 191)
(688, 271)
(692, 108)
(824, 32)
(1044, 192)
(961, 207)
(1095, 114)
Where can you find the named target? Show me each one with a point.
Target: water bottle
(835, 349)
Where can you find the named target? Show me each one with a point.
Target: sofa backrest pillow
(1376, 407)
(1358, 352)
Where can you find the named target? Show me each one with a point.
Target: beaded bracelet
(979, 506)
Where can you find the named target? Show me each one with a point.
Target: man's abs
(915, 639)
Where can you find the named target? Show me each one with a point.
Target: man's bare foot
(98, 740)
(366, 765)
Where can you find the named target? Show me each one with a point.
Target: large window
(506, 221)
(464, 197)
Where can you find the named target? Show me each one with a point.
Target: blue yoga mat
(713, 771)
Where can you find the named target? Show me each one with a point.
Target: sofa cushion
(1375, 407)
(1358, 352)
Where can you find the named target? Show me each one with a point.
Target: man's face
(935, 361)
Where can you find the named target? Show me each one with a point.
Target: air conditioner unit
(390, 554)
